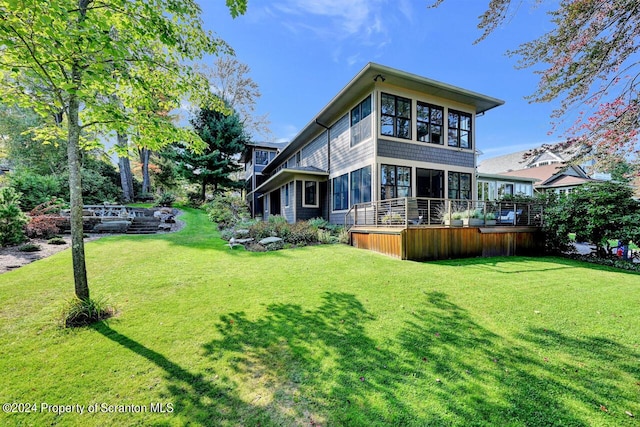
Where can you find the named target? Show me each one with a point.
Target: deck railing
(423, 211)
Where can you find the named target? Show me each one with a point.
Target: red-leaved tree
(591, 65)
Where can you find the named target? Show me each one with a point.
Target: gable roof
(515, 161)
(363, 83)
(554, 175)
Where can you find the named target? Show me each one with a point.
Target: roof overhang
(363, 83)
(287, 175)
(506, 177)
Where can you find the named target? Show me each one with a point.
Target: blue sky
(302, 52)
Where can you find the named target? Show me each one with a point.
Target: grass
(322, 335)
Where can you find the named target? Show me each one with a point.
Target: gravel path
(12, 258)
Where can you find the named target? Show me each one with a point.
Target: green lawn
(324, 335)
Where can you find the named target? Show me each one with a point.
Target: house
(558, 178)
(255, 158)
(387, 134)
(549, 170)
(495, 186)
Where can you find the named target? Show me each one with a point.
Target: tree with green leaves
(225, 139)
(596, 212)
(67, 59)
(590, 64)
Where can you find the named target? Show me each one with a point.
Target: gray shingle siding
(425, 153)
(337, 218)
(315, 153)
(343, 156)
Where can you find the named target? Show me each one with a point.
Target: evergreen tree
(225, 139)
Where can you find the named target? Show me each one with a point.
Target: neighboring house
(387, 134)
(255, 158)
(495, 186)
(548, 170)
(519, 160)
(555, 177)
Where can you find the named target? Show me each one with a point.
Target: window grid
(395, 116)
(429, 120)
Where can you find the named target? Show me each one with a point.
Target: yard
(322, 335)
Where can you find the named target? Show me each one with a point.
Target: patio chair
(511, 217)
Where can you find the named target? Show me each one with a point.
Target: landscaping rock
(241, 232)
(269, 240)
(112, 227)
(164, 227)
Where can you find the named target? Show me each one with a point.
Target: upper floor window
(459, 129)
(361, 122)
(395, 116)
(262, 157)
(429, 123)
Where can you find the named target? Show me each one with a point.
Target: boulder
(268, 240)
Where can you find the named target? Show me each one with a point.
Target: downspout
(328, 168)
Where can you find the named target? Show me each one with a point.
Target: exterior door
(430, 183)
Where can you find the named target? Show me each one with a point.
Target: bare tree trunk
(144, 159)
(75, 189)
(126, 179)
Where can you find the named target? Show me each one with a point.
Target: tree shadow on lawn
(319, 366)
(556, 380)
(202, 399)
(494, 264)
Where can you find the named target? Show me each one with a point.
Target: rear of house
(387, 134)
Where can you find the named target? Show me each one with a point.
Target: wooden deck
(433, 243)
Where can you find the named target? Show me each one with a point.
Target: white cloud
(361, 18)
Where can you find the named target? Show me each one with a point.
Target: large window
(395, 181)
(361, 121)
(459, 185)
(395, 116)
(459, 129)
(430, 183)
(429, 123)
(311, 193)
(262, 157)
(487, 190)
(341, 192)
(361, 185)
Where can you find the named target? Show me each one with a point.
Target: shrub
(319, 223)
(35, 189)
(302, 233)
(12, 219)
(44, 226)
(261, 230)
(165, 200)
(29, 247)
(56, 241)
(227, 210)
(325, 237)
(85, 312)
(194, 199)
(343, 236)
